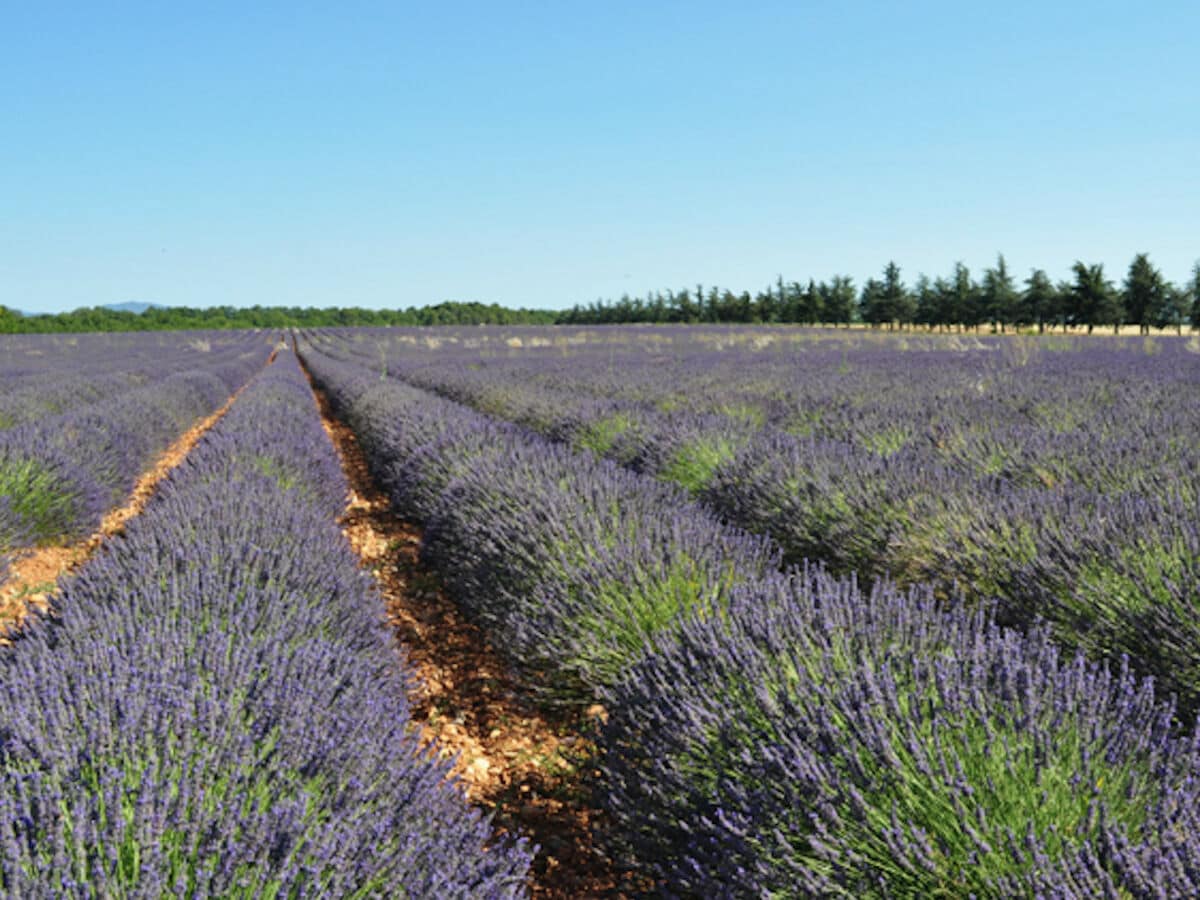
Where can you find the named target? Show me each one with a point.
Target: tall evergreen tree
(1039, 300)
(1196, 296)
(685, 307)
(711, 308)
(793, 303)
(943, 298)
(767, 303)
(901, 304)
(872, 303)
(926, 296)
(1094, 299)
(838, 300)
(1173, 311)
(999, 296)
(1065, 303)
(744, 306)
(1144, 293)
(814, 304)
(966, 306)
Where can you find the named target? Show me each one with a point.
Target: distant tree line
(954, 302)
(177, 318)
(957, 301)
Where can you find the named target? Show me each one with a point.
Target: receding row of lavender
(82, 417)
(215, 707)
(42, 375)
(1060, 477)
(774, 728)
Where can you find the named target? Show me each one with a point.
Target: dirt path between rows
(33, 578)
(531, 768)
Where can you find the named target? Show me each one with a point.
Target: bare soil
(529, 766)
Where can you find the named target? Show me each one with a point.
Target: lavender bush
(1114, 574)
(65, 472)
(820, 741)
(574, 564)
(416, 443)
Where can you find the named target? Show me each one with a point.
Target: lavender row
(76, 385)
(216, 708)
(48, 396)
(819, 740)
(574, 564)
(38, 361)
(791, 735)
(85, 369)
(59, 474)
(1060, 476)
(969, 411)
(627, 388)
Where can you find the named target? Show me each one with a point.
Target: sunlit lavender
(787, 732)
(215, 707)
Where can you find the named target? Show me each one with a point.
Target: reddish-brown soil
(528, 766)
(34, 576)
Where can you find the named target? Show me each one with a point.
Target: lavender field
(873, 615)
(866, 614)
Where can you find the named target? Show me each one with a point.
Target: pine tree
(837, 300)
(1039, 300)
(873, 304)
(1173, 311)
(966, 306)
(1144, 293)
(999, 295)
(899, 307)
(1196, 296)
(927, 301)
(1093, 298)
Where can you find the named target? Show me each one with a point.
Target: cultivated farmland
(713, 612)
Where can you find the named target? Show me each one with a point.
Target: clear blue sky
(399, 154)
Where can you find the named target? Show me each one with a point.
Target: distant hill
(132, 306)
